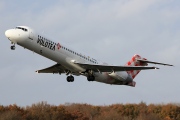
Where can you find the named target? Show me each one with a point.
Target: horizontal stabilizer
(146, 61)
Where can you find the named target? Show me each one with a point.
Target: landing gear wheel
(90, 78)
(13, 47)
(70, 78)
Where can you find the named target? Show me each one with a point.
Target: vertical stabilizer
(134, 62)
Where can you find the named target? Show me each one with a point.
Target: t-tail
(135, 62)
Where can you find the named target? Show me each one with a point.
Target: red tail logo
(134, 62)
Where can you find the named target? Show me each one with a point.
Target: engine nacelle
(132, 84)
(121, 76)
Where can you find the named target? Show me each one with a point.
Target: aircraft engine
(121, 76)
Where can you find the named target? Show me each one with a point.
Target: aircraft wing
(108, 68)
(57, 68)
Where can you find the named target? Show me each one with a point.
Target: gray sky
(109, 30)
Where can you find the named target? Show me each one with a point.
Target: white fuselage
(28, 38)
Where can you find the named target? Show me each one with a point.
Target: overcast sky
(109, 30)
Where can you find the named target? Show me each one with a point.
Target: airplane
(71, 62)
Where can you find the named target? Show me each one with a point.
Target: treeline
(44, 111)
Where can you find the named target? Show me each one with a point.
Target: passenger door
(30, 34)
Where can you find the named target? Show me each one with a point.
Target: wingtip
(37, 71)
(168, 65)
(156, 68)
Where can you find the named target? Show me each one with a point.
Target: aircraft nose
(8, 33)
(12, 35)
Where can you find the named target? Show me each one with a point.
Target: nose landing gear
(13, 46)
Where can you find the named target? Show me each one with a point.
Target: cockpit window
(24, 29)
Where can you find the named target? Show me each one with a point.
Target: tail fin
(134, 62)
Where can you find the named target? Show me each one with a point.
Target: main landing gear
(70, 78)
(90, 76)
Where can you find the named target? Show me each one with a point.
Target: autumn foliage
(73, 111)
